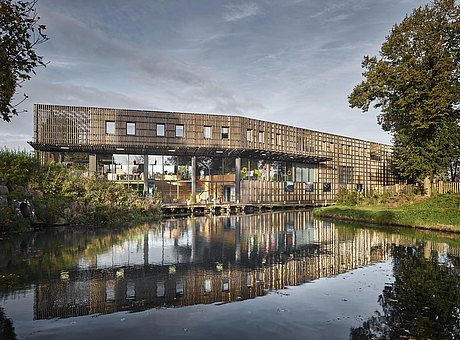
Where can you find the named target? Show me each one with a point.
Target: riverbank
(32, 194)
(440, 212)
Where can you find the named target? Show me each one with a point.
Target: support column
(193, 179)
(93, 163)
(146, 175)
(146, 249)
(237, 179)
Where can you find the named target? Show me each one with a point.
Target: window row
(131, 129)
(224, 132)
(161, 131)
(250, 137)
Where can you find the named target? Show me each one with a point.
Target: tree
(415, 84)
(20, 33)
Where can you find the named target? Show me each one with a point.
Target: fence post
(428, 186)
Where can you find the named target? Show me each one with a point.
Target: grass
(440, 212)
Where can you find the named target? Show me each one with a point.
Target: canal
(263, 276)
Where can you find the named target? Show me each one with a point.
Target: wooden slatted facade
(337, 161)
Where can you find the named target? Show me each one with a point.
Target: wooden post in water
(146, 175)
(193, 179)
(237, 179)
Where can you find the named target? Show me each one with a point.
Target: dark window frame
(164, 129)
(107, 131)
(182, 135)
(225, 135)
(206, 129)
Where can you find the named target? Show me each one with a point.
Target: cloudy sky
(287, 61)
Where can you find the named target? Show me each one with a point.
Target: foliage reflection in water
(229, 258)
(424, 300)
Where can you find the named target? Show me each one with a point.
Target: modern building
(195, 158)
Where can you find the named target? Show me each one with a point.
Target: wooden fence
(442, 187)
(439, 187)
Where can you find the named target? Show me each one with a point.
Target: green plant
(70, 196)
(18, 167)
(348, 197)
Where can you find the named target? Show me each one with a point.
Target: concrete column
(146, 175)
(193, 179)
(93, 163)
(237, 179)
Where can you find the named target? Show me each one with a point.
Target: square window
(207, 132)
(110, 127)
(179, 131)
(131, 129)
(225, 132)
(160, 130)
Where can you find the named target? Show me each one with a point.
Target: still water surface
(264, 276)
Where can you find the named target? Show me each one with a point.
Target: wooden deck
(233, 208)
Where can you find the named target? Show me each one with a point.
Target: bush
(18, 167)
(60, 195)
(352, 198)
(9, 223)
(348, 197)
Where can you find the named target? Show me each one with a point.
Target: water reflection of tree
(6, 327)
(423, 302)
(31, 258)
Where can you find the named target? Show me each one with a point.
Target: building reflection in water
(206, 260)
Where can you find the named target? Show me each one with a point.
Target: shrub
(18, 167)
(61, 195)
(353, 198)
(348, 197)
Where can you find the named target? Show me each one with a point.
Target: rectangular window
(131, 129)
(261, 136)
(375, 156)
(160, 130)
(179, 131)
(110, 127)
(160, 289)
(207, 132)
(345, 174)
(179, 287)
(278, 139)
(225, 132)
(207, 285)
(249, 135)
(130, 290)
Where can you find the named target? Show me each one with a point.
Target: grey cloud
(337, 11)
(238, 11)
(148, 64)
(292, 61)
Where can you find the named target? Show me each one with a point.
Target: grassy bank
(62, 196)
(441, 212)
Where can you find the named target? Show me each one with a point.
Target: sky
(287, 61)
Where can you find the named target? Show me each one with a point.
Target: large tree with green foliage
(415, 84)
(20, 32)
